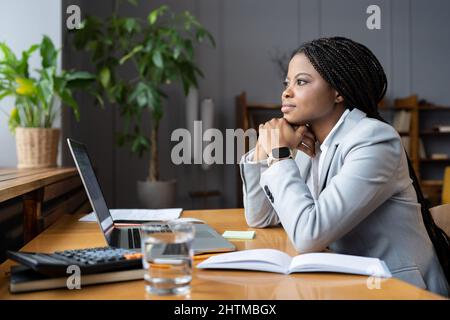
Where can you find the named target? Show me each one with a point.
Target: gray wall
(22, 23)
(413, 45)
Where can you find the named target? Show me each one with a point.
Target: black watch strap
(280, 153)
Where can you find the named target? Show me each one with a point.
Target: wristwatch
(279, 154)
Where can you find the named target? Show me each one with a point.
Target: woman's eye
(301, 82)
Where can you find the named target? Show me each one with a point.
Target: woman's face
(307, 97)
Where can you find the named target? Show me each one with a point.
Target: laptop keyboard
(91, 260)
(134, 236)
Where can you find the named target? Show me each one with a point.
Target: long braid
(354, 71)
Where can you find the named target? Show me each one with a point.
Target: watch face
(282, 152)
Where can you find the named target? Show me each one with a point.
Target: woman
(349, 187)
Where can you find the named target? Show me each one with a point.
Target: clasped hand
(278, 133)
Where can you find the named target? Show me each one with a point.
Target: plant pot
(158, 194)
(37, 147)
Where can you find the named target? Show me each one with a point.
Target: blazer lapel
(349, 123)
(326, 166)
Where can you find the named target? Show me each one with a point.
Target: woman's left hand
(278, 133)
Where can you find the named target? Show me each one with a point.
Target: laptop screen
(84, 166)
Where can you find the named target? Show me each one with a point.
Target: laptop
(206, 238)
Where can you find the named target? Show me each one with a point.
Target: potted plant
(160, 51)
(35, 101)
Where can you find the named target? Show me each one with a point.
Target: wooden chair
(251, 115)
(441, 216)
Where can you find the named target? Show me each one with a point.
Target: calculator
(91, 260)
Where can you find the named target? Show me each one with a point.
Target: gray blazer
(367, 205)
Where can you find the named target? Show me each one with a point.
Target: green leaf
(22, 67)
(211, 39)
(79, 79)
(5, 94)
(142, 100)
(14, 120)
(140, 88)
(157, 59)
(25, 87)
(66, 98)
(131, 54)
(148, 45)
(153, 16)
(7, 54)
(189, 48)
(98, 98)
(105, 77)
(48, 53)
(176, 52)
(131, 24)
(140, 144)
(200, 34)
(79, 75)
(45, 92)
(32, 49)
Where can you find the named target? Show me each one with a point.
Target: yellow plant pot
(37, 147)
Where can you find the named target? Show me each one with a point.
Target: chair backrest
(409, 101)
(441, 216)
(250, 115)
(446, 187)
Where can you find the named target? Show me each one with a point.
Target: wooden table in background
(46, 195)
(68, 233)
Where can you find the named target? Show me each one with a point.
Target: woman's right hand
(308, 142)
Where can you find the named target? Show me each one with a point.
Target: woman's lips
(285, 108)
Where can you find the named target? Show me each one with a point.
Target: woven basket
(37, 147)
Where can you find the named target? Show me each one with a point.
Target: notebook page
(333, 262)
(256, 259)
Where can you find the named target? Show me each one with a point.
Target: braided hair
(354, 71)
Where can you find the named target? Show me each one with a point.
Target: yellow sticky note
(244, 235)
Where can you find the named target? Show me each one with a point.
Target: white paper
(138, 215)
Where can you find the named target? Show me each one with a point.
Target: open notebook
(276, 261)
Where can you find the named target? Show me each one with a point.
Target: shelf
(433, 108)
(435, 160)
(434, 133)
(420, 108)
(397, 108)
(431, 183)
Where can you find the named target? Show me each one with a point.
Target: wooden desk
(46, 194)
(67, 233)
